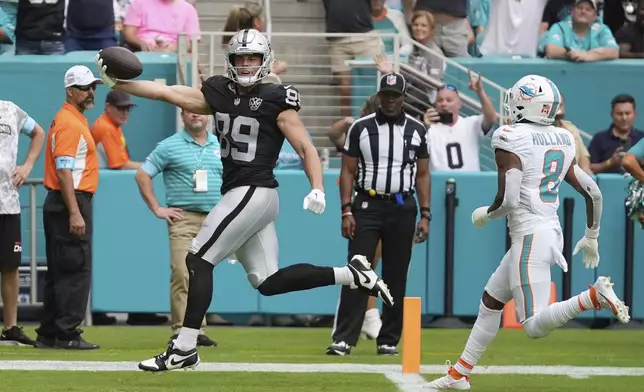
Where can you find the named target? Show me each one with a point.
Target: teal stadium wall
(131, 251)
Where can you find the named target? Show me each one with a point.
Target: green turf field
(293, 359)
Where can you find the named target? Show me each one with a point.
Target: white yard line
(407, 382)
(574, 371)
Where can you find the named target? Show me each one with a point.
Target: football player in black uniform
(251, 119)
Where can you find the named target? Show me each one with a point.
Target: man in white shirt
(513, 28)
(13, 122)
(453, 140)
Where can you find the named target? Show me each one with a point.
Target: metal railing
(309, 69)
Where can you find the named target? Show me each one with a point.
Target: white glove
(559, 258)
(588, 245)
(479, 216)
(102, 71)
(315, 201)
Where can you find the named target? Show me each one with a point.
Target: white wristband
(590, 233)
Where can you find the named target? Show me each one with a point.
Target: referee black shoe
(366, 279)
(171, 359)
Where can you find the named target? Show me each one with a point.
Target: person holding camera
(454, 140)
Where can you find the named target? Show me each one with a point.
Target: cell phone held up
(446, 117)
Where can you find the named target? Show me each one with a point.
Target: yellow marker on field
(372, 192)
(411, 335)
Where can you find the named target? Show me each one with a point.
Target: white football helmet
(249, 42)
(533, 98)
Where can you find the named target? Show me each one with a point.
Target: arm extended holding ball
(185, 97)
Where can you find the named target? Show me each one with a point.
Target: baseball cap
(80, 75)
(592, 2)
(393, 82)
(118, 98)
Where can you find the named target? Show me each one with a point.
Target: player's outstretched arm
(291, 126)
(509, 184)
(585, 185)
(185, 97)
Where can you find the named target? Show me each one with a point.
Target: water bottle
(325, 158)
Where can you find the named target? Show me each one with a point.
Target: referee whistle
(372, 192)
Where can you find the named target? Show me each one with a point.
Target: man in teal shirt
(580, 39)
(191, 166)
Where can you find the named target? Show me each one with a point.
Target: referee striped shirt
(177, 157)
(387, 150)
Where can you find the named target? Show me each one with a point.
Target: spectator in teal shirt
(478, 15)
(581, 39)
(7, 32)
(191, 166)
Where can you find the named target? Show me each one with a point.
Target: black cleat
(171, 359)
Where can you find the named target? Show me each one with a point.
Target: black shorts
(10, 243)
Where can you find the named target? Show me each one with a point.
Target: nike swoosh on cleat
(367, 280)
(173, 363)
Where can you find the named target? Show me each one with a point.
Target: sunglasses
(86, 88)
(450, 87)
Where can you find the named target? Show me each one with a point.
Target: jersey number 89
(242, 133)
(553, 162)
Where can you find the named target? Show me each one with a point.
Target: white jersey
(546, 153)
(455, 148)
(13, 121)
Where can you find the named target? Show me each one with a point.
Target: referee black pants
(396, 226)
(69, 268)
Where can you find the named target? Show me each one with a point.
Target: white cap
(80, 75)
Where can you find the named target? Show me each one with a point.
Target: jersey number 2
(553, 162)
(242, 133)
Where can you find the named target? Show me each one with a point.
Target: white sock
(187, 339)
(372, 313)
(483, 332)
(343, 275)
(559, 313)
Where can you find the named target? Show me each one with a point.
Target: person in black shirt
(90, 25)
(39, 27)
(630, 37)
(385, 157)
(251, 119)
(350, 18)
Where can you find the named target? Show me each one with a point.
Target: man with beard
(71, 177)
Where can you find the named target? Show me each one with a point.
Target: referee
(385, 157)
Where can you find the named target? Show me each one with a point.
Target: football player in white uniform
(533, 158)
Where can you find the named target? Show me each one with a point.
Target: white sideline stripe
(573, 371)
(408, 382)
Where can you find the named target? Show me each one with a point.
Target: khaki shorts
(343, 49)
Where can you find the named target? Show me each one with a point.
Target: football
(121, 62)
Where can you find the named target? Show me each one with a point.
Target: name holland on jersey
(551, 139)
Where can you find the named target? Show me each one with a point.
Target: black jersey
(246, 127)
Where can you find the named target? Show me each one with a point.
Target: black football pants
(396, 225)
(69, 268)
